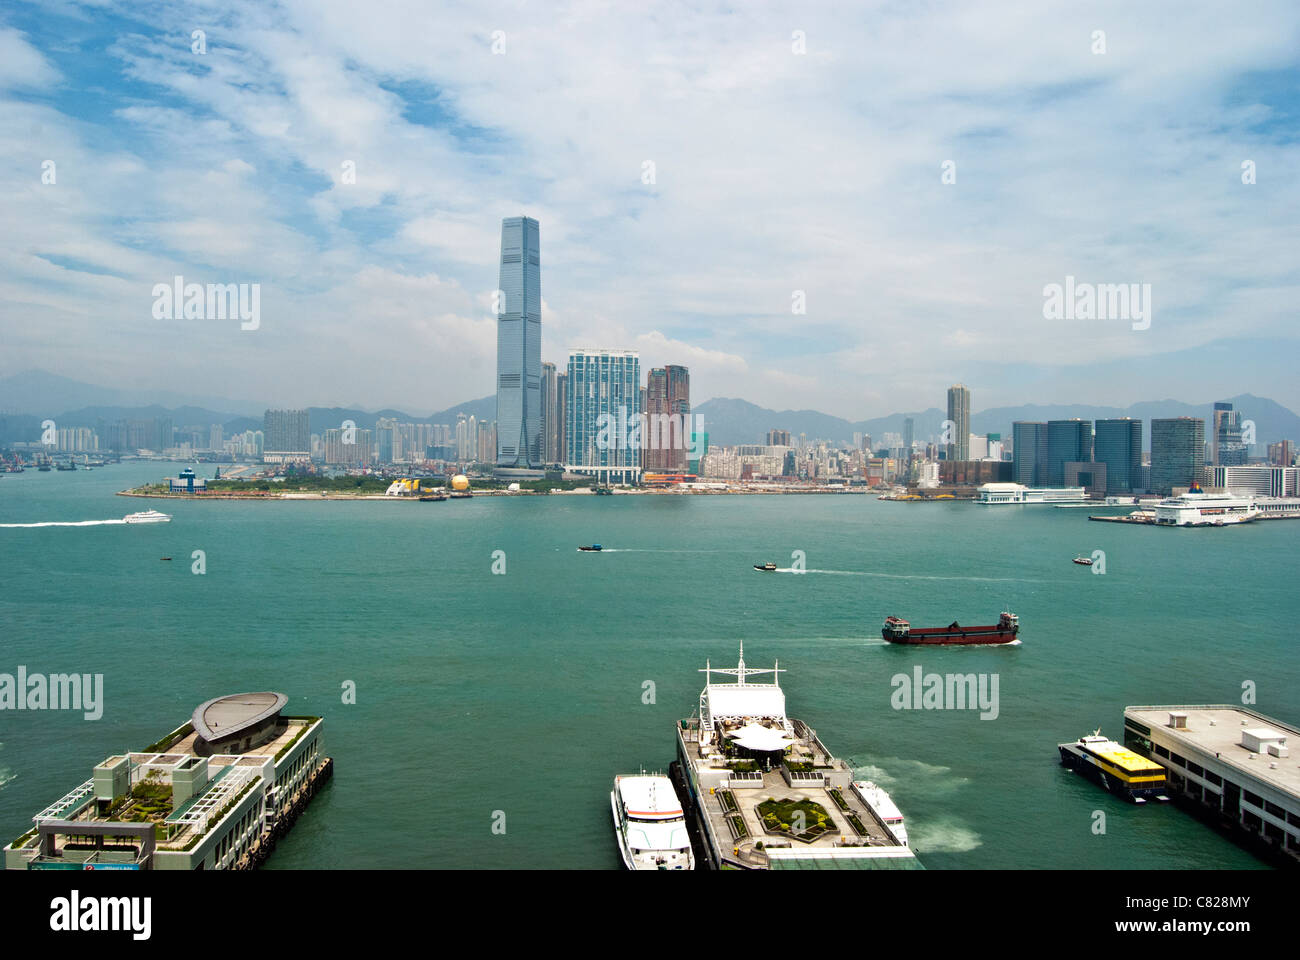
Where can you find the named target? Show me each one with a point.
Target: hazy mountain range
(28, 398)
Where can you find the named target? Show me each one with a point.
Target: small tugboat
(765, 567)
(1120, 770)
(898, 630)
(1083, 561)
(594, 548)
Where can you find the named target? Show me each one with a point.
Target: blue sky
(775, 171)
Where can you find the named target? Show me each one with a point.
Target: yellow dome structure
(460, 482)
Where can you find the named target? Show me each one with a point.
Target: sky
(913, 174)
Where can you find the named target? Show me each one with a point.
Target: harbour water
(513, 699)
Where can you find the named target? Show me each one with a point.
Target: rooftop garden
(802, 820)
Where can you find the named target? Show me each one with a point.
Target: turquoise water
(523, 692)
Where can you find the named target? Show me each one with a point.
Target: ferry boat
(1118, 769)
(898, 630)
(765, 792)
(882, 808)
(1083, 561)
(765, 567)
(650, 824)
(147, 516)
(1195, 508)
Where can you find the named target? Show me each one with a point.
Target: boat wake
(944, 835)
(73, 523)
(908, 576)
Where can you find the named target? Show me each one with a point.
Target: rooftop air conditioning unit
(1178, 720)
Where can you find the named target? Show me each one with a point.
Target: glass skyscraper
(668, 418)
(1068, 441)
(1119, 446)
(1226, 446)
(1177, 453)
(1029, 453)
(519, 346)
(602, 399)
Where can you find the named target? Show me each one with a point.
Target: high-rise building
(215, 437)
(959, 414)
(550, 453)
(1068, 441)
(1119, 446)
(1177, 453)
(1029, 453)
(778, 438)
(519, 346)
(558, 432)
(668, 419)
(286, 436)
(909, 436)
(601, 398)
(1226, 447)
(358, 453)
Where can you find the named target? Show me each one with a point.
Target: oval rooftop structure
(227, 716)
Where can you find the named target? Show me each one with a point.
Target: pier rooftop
(213, 794)
(1234, 737)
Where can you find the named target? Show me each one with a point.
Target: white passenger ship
(147, 516)
(650, 824)
(1196, 508)
(767, 794)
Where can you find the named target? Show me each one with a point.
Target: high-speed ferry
(147, 516)
(1118, 769)
(649, 824)
(1196, 508)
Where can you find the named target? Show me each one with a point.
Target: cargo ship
(1119, 770)
(898, 630)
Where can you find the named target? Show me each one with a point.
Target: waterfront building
(700, 447)
(519, 346)
(1226, 446)
(1087, 474)
(1119, 446)
(287, 437)
(1068, 441)
(1233, 763)
(187, 482)
(1006, 493)
(1029, 453)
(959, 414)
(668, 419)
(974, 472)
(601, 412)
(1263, 481)
(214, 794)
(558, 432)
(1177, 453)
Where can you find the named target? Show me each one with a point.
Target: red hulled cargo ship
(897, 630)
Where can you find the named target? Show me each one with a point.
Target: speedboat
(147, 516)
(594, 548)
(1083, 561)
(765, 567)
(649, 824)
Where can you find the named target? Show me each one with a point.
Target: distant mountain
(44, 395)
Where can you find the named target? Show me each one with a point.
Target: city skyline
(349, 225)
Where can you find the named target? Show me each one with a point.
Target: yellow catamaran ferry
(1119, 770)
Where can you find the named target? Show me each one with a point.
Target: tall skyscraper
(1119, 446)
(1068, 441)
(1177, 453)
(668, 419)
(1029, 453)
(1226, 447)
(909, 435)
(550, 453)
(959, 414)
(778, 438)
(519, 346)
(603, 391)
(558, 431)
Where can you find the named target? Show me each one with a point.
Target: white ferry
(882, 808)
(650, 824)
(767, 794)
(147, 516)
(1196, 508)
